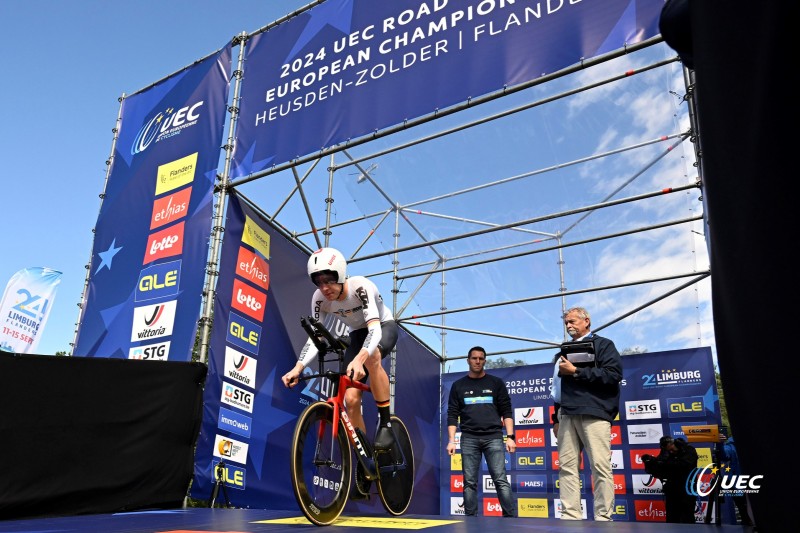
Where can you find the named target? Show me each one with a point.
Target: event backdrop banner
(346, 68)
(249, 416)
(661, 393)
(151, 239)
(25, 307)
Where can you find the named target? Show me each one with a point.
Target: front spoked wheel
(396, 471)
(320, 465)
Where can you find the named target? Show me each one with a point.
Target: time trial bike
(325, 441)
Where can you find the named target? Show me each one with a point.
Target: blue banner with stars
(249, 416)
(146, 275)
(344, 69)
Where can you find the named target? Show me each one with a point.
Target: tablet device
(578, 352)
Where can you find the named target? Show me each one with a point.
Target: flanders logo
(256, 237)
(176, 174)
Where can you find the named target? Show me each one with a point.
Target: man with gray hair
(586, 392)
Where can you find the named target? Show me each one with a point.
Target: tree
(502, 362)
(633, 350)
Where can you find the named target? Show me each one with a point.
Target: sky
(66, 66)
(72, 61)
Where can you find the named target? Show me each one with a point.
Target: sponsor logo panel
(690, 406)
(167, 242)
(232, 475)
(252, 268)
(650, 510)
(557, 507)
(646, 484)
(620, 486)
(240, 367)
(531, 460)
(491, 507)
(671, 378)
(150, 352)
(457, 506)
(228, 448)
(243, 333)
(636, 456)
(529, 416)
(556, 483)
(529, 438)
(153, 321)
(641, 409)
(617, 460)
(531, 483)
(620, 509)
(158, 281)
(532, 507)
(616, 436)
(236, 397)
(488, 483)
(645, 433)
(248, 300)
(256, 237)
(170, 208)
(234, 422)
(176, 174)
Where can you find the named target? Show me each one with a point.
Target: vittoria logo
(240, 367)
(153, 321)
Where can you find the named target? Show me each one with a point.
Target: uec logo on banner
(168, 119)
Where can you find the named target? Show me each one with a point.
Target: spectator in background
(673, 466)
(479, 403)
(586, 401)
(729, 460)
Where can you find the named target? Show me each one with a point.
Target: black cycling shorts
(357, 336)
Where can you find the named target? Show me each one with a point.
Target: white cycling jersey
(362, 307)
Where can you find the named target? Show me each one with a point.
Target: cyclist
(373, 335)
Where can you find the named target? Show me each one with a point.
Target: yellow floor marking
(375, 521)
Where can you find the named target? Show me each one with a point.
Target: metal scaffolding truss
(480, 219)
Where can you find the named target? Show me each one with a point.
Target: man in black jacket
(586, 401)
(673, 466)
(479, 403)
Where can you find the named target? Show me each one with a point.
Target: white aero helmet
(327, 260)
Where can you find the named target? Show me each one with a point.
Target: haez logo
(225, 447)
(697, 484)
(161, 124)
